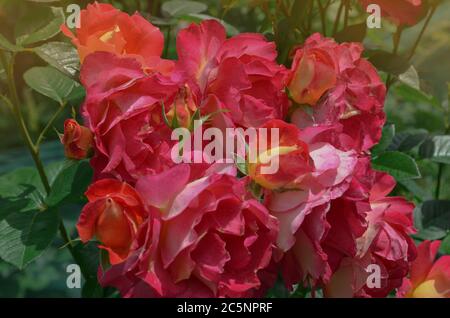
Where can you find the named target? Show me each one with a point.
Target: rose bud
(313, 72)
(285, 162)
(183, 108)
(77, 140)
(113, 215)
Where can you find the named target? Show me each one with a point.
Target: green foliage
(24, 235)
(386, 139)
(27, 226)
(432, 219)
(49, 82)
(436, 149)
(398, 164)
(178, 8)
(63, 56)
(70, 182)
(32, 29)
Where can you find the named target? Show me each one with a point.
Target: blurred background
(406, 109)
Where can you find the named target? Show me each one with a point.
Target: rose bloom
(77, 140)
(207, 238)
(290, 156)
(352, 108)
(113, 215)
(104, 28)
(311, 179)
(401, 12)
(314, 71)
(123, 108)
(377, 231)
(429, 278)
(236, 79)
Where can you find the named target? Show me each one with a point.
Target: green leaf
(352, 33)
(92, 289)
(409, 93)
(63, 56)
(411, 78)
(42, 28)
(49, 82)
(88, 257)
(279, 290)
(178, 8)
(386, 139)
(428, 233)
(388, 62)
(408, 140)
(437, 149)
(240, 163)
(8, 46)
(70, 182)
(25, 235)
(422, 193)
(20, 190)
(399, 165)
(436, 213)
(445, 246)
(298, 10)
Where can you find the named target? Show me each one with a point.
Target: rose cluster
(208, 230)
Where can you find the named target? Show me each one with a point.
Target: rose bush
(317, 195)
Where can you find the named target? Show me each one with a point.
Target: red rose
(379, 234)
(113, 216)
(123, 108)
(239, 76)
(352, 109)
(77, 140)
(207, 239)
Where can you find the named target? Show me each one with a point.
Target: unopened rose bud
(77, 140)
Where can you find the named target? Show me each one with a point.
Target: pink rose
(238, 76)
(385, 241)
(302, 212)
(123, 108)
(353, 108)
(207, 238)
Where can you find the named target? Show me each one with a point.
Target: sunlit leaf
(49, 82)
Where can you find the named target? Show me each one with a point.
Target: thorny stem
(322, 17)
(419, 38)
(338, 18)
(50, 124)
(396, 38)
(347, 10)
(440, 172)
(390, 80)
(33, 148)
(167, 42)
